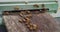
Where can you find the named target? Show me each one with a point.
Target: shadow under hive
(44, 22)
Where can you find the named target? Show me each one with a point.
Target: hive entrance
(32, 11)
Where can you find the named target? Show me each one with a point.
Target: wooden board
(45, 22)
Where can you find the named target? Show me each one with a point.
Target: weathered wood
(45, 22)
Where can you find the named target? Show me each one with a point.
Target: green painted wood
(27, 1)
(52, 7)
(51, 4)
(24, 0)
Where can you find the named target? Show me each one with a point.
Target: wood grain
(45, 22)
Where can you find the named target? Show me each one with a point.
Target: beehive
(44, 21)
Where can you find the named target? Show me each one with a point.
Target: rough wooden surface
(45, 22)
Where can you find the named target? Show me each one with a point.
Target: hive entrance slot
(33, 11)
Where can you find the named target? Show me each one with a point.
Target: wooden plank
(45, 22)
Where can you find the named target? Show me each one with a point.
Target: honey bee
(7, 13)
(16, 8)
(28, 12)
(27, 22)
(27, 19)
(35, 27)
(20, 20)
(29, 16)
(24, 20)
(32, 26)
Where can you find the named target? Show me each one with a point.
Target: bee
(27, 22)
(28, 12)
(21, 14)
(30, 26)
(35, 27)
(24, 20)
(29, 16)
(27, 19)
(7, 13)
(16, 8)
(20, 20)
